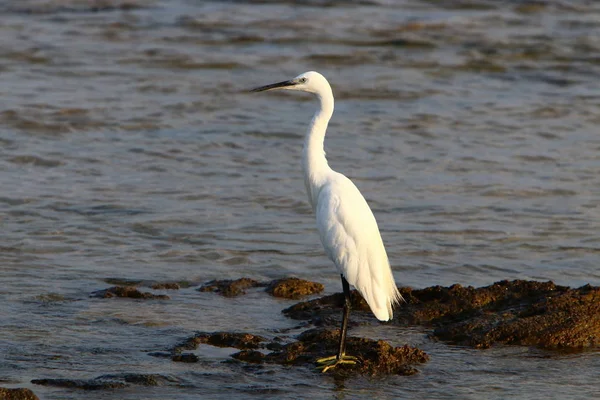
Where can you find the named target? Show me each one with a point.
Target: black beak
(272, 86)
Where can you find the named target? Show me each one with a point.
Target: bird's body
(346, 224)
(351, 239)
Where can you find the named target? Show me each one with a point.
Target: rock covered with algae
(129, 292)
(221, 339)
(17, 394)
(112, 381)
(289, 288)
(515, 312)
(553, 317)
(229, 287)
(375, 357)
(293, 288)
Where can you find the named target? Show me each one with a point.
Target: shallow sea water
(129, 148)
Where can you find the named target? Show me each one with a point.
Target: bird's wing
(352, 241)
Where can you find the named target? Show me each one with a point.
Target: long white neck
(314, 162)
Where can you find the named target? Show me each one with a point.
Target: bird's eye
(303, 80)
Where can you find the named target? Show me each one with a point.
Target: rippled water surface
(129, 148)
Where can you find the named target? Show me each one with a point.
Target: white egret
(346, 224)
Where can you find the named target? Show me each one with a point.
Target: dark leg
(341, 358)
(346, 315)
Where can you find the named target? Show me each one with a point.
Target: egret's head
(311, 82)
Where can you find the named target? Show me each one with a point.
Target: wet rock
(240, 341)
(116, 381)
(186, 358)
(127, 291)
(293, 288)
(141, 379)
(157, 285)
(290, 288)
(552, 317)
(17, 394)
(326, 308)
(376, 357)
(50, 298)
(230, 288)
(439, 304)
(250, 356)
(515, 312)
(123, 281)
(91, 384)
(166, 285)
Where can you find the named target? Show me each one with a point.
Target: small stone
(128, 292)
(240, 341)
(293, 288)
(250, 356)
(230, 288)
(80, 384)
(166, 285)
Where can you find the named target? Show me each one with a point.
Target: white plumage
(346, 224)
(351, 239)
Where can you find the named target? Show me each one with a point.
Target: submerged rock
(141, 379)
(91, 384)
(127, 291)
(158, 285)
(185, 358)
(293, 288)
(250, 356)
(221, 339)
(115, 381)
(123, 281)
(229, 288)
(17, 394)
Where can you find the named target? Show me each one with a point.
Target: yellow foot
(328, 363)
